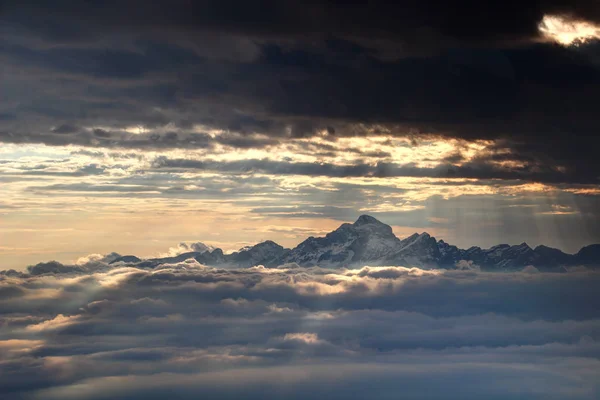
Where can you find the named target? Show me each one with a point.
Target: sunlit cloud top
(567, 31)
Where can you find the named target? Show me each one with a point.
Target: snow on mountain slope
(264, 253)
(366, 240)
(369, 241)
(417, 250)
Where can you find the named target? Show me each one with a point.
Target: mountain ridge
(369, 241)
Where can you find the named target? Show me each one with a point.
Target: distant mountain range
(371, 242)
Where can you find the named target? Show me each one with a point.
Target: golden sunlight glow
(567, 32)
(125, 193)
(59, 321)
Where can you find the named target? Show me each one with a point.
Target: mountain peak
(369, 241)
(267, 243)
(366, 223)
(366, 220)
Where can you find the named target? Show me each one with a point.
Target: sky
(131, 127)
(145, 127)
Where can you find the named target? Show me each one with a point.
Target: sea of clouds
(187, 331)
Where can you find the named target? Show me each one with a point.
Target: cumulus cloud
(51, 267)
(468, 265)
(186, 248)
(530, 269)
(91, 258)
(309, 338)
(129, 332)
(58, 322)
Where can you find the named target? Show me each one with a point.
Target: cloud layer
(173, 74)
(187, 330)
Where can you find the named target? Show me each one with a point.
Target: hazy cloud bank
(98, 331)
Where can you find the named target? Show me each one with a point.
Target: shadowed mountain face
(366, 241)
(369, 241)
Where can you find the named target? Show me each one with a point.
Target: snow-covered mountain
(260, 254)
(418, 249)
(264, 253)
(365, 241)
(369, 241)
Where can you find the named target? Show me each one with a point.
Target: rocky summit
(369, 241)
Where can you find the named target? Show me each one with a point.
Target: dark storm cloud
(458, 21)
(480, 168)
(95, 330)
(467, 69)
(65, 128)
